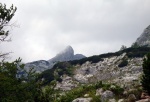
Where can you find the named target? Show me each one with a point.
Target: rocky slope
(106, 70)
(144, 39)
(123, 69)
(66, 55)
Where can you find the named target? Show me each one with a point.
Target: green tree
(135, 45)
(146, 74)
(123, 47)
(5, 17)
(17, 89)
(14, 86)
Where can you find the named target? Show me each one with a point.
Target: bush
(146, 74)
(123, 63)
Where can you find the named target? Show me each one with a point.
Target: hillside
(121, 69)
(68, 67)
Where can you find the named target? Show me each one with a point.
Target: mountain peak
(144, 39)
(69, 50)
(66, 55)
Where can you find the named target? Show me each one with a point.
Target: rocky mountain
(144, 39)
(100, 78)
(66, 55)
(101, 67)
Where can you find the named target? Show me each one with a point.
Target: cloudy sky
(91, 27)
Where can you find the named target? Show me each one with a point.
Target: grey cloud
(47, 26)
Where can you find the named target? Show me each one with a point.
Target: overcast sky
(91, 27)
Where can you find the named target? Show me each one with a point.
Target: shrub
(123, 63)
(146, 74)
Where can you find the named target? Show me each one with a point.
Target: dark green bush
(123, 63)
(146, 74)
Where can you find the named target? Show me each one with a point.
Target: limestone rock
(66, 55)
(66, 84)
(107, 95)
(144, 39)
(144, 100)
(121, 100)
(99, 92)
(111, 100)
(86, 95)
(82, 100)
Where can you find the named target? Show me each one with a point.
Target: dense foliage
(146, 74)
(17, 89)
(16, 85)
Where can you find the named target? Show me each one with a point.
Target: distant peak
(68, 48)
(144, 39)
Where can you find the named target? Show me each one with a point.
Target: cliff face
(144, 39)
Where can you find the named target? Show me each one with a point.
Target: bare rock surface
(108, 70)
(66, 84)
(144, 100)
(82, 100)
(106, 96)
(144, 39)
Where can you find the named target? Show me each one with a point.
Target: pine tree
(146, 74)
(6, 15)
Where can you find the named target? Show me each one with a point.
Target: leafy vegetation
(90, 90)
(5, 17)
(135, 45)
(123, 47)
(21, 89)
(123, 63)
(146, 74)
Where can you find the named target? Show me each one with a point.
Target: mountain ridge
(66, 55)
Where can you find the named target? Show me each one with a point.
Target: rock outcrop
(144, 39)
(66, 84)
(108, 70)
(82, 100)
(144, 100)
(106, 96)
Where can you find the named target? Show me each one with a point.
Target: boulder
(111, 100)
(99, 92)
(121, 100)
(86, 95)
(82, 100)
(106, 96)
